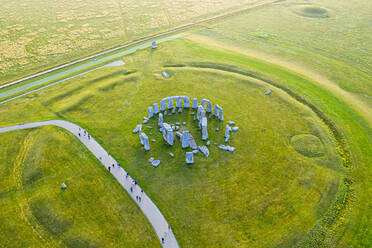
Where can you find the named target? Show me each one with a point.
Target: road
(150, 210)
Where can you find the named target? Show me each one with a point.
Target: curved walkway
(151, 211)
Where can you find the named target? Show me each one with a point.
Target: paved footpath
(151, 211)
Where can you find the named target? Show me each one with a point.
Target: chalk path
(151, 211)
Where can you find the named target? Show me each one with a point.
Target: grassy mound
(308, 145)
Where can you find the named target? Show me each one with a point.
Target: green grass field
(94, 211)
(272, 181)
(300, 175)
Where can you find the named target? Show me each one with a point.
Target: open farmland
(35, 35)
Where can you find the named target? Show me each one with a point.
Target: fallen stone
(177, 128)
(151, 159)
(208, 143)
(64, 186)
(204, 150)
(226, 148)
(149, 127)
(171, 154)
(268, 92)
(192, 142)
(184, 123)
(189, 158)
(177, 123)
(155, 163)
(195, 151)
(217, 129)
(138, 128)
(165, 74)
(153, 140)
(235, 129)
(180, 110)
(231, 123)
(165, 113)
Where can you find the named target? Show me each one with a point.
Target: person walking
(113, 165)
(109, 168)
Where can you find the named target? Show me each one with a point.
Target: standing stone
(215, 110)
(155, 106)
(145, 141)
(186, 102)
(160, 122)
(168, 133)
(185, 139)
(227, 133)
(170, 103)
(209, 107)
(204, 128)
(173, 111)
(163, 105)
(200, 114)
(189, 157)
(221, 115)
(179, 102)
(154, 45)
(151, 112)
(194, 103)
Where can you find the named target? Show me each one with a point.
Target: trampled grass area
(94, 211)
(264, 194)
(35, 35)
